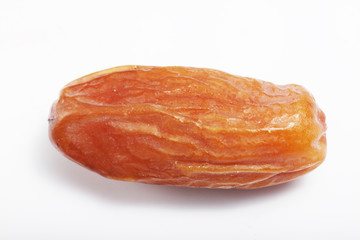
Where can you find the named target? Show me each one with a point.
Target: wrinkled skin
(188, 127)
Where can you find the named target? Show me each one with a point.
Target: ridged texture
(189, 127)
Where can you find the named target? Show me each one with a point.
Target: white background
(46, 44)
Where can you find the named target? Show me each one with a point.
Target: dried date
(188, 127)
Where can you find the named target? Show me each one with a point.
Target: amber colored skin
(188, 127)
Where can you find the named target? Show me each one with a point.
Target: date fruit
(188, 127)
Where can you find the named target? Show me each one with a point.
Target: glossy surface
(189, 127)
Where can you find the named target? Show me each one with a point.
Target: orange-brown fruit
(188, 127)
